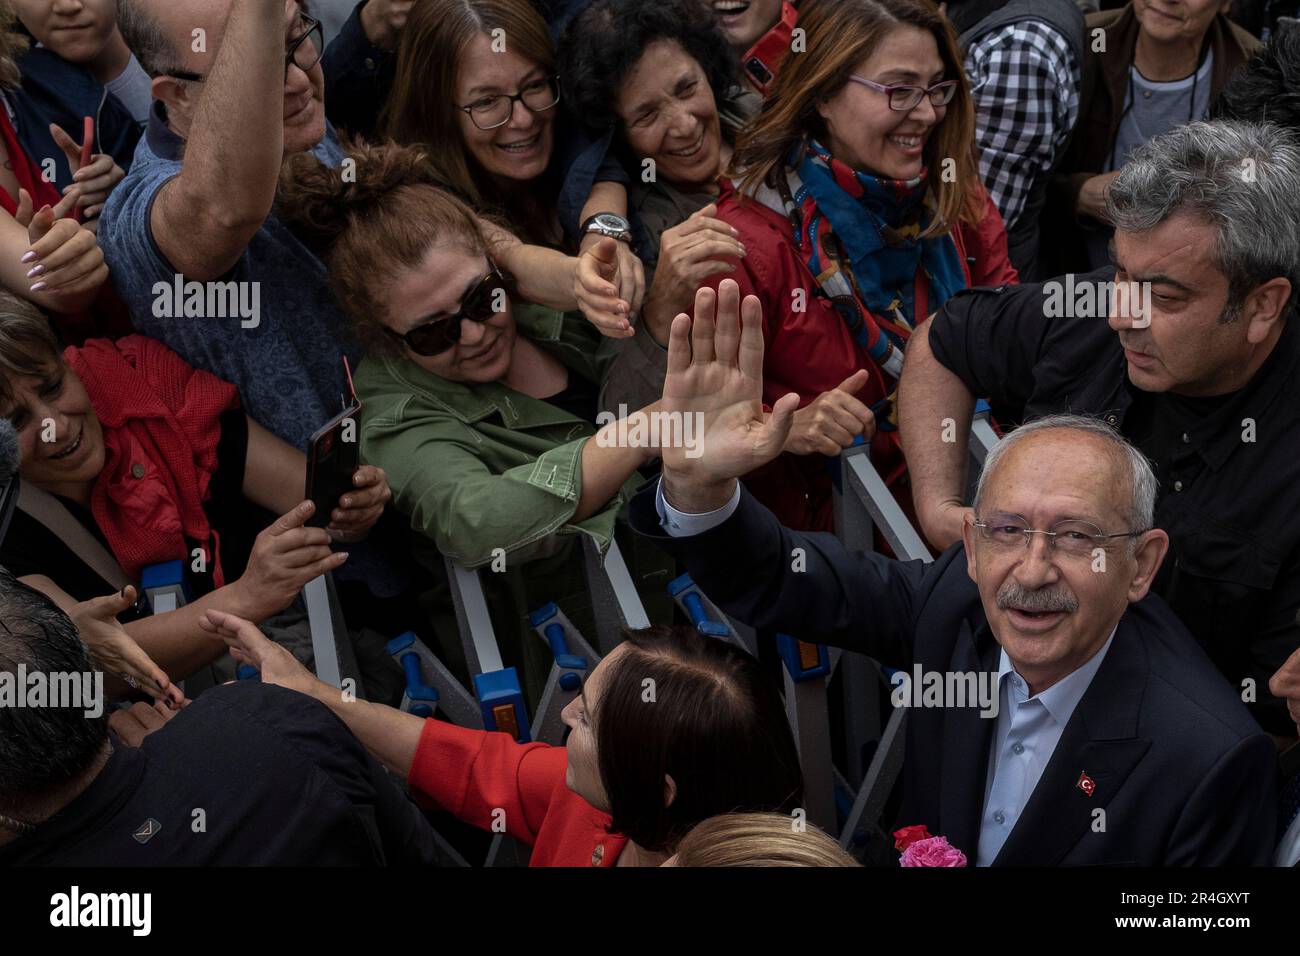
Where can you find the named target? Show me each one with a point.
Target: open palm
(715, 372)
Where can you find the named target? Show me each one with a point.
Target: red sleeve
(986, 243)
(474, 773)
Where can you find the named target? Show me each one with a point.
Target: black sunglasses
(485, 300)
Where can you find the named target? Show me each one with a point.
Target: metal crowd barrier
(164, 586)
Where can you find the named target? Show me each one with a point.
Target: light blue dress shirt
(683, 524)
(1027, 733)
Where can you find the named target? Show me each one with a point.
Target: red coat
(161, 421)
(475, 775)
(812, 351)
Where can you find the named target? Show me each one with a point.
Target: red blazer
(487, 778)
(811, 351)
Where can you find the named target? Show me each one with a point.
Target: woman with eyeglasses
(475, 86)
(479, 406)
(858, 200)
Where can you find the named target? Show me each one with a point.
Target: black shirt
(1228, 467)
(30, 548)
(279, 780)
(578, 398)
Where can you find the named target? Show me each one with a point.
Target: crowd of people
(513, 228)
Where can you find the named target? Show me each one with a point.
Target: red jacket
(812, 351)
(488, 778)
(161, 421)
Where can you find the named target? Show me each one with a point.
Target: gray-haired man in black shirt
(1191, 352)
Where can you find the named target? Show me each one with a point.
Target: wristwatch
(608, 224)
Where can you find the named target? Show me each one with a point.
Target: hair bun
(319, 202)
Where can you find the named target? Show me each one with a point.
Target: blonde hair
(758, 839)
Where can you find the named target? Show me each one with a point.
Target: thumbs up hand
(64, 257)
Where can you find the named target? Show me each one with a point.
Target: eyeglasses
(904, 98)
(485, 300)
(490, 112)
(304, 51)
(1008, 532)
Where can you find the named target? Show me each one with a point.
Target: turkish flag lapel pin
(1086, 783)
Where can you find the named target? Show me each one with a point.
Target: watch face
(608, 220)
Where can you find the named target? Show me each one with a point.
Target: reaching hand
(715, 372)
(284, 558)
(64, 256)
(358, 510)
(1286, 684)
(248, 645)
(595, 286)
(94, 181)
(134, 723)
(383, 21)
(689, 253)
(114, 651)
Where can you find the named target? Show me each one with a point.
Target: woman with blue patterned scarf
(857, 196)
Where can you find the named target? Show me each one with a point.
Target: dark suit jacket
(1184, 774)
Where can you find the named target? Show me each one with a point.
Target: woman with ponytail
(857, 197)
(480, 406)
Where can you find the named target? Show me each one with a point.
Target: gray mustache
(1014, 596)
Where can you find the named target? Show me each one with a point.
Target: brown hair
(28, 346)
(369, 226)
(422, 109)
(13, 44)
(714, 723)
(759, 839)
(840, 34)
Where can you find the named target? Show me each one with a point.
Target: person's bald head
(177, 43)
(1052, 601)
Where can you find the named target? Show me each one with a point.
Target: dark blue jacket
(358, 78)
(1183, 772)
(56, 91)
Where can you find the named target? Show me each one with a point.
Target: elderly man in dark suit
(1115, 741)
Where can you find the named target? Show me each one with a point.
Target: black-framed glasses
(304, 51)
(486, 299)
(1008, 532)
(538, 96)
(904, 98)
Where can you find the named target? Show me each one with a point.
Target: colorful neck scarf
(876, 223)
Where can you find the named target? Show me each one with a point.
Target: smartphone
(333, 456)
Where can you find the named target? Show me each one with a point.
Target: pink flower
(906, 836)
(935, 851)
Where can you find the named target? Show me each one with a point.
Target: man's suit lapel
(966, 737)
(1100, 741)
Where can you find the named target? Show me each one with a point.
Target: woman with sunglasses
(480, 407)
(857, 197)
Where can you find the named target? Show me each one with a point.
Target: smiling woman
(856, 196)
(475, 86)
(480, 406)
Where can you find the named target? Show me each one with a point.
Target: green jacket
(481, 467)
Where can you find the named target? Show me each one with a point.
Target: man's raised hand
(715, 372)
